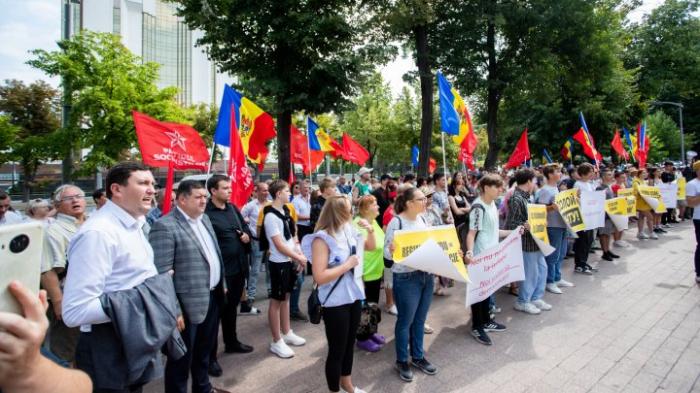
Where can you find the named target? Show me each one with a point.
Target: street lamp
(680, 114)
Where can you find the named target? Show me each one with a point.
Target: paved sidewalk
(633, 327)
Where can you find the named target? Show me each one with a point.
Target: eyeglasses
(419, 199)
(72, 198)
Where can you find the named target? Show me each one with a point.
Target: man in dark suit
(184, 241)
(233, 236)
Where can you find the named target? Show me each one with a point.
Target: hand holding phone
(20, 260)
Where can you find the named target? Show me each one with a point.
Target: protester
(332, 249)
(644, 213)
(440, 198)
(108, 254)
(184, 241)
(388, 215)
(531, 290)
(7, 216)
(483, 234)
(343, 187)
(556, 229)
(655, 181)
(692, 192)
(99, 197)
(328, 189)
(413, 288)
(286, 261)
(381, 194)
(250, 213)
(22, 367)
(157, 211)
(69, 201)
(458, 199)
(584, 241)
(362, 187)
(607, 230)
(39, 210)
(302, 205)
(620, 184)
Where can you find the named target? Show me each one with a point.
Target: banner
(617, 211)
(593, 209)
(537, 218)
(495, 267)
(570, 210)
(669, 194)
(628, 193)
(681, 182)
(433, 250)
(652, 196)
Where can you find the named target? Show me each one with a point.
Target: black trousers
(229, 313)
(372, 290)
(341, 324)
(480, 314)
(199, 339)
(582, 247)
(697, 247)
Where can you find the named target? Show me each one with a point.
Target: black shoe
(215, 369)
(298, 316)
(424, 365)
(494, 326)
(239, 348)
(481, 337)
(591, 268)
(248, 309)
(657, 230)
(405, 372)
(661, 230)
(607, 256)
(613, 254)
(583, 270)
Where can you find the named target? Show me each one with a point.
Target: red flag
(162, 142)
(467, 147)
(616, 144)
(299, 151)
(432, 165)
(521, 153)
(238, 171)
(354, 152)
(586, 140)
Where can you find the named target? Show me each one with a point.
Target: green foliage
(103, 82)
(8, 137)
(665, 137)
(30, 121)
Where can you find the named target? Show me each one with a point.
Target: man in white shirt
(692, 192)
(250, 213)
(584, 241)
(109, 253)
(7, 216)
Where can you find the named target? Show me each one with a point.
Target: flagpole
(211, 159)
(444, 156)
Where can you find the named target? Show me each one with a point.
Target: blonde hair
(335, 213)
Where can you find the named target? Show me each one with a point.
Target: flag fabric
(546, 157)
(567, 151)
(300, 154)
(241, 178)
(255, 127)
(584, 137)
(455, 120)
(414, 155)
(162, 143)
(449, 116)
(521, 153)
(642, 144)
(319, 140)
(354, 151)
(617, 145)
(432, 165)
(631, 148)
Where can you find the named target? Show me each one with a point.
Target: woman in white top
(333, 252)
(413, 289)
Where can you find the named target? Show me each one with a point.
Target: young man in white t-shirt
(692, 192)
(286, 261)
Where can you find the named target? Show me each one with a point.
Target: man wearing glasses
(69, 201)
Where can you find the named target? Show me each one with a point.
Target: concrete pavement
(632, 327)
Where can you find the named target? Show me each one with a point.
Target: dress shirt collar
(127, 220)
(190, 219)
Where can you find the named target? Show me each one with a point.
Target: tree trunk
(284, 122)
(426, 92)
(494, 96)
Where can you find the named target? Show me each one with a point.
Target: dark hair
(97, 194)
(618, 174)
(584, 169)
(385, 177)
(3, 195)
(668, 177)
(523, 176)
(213, 181)
(437, 176)
(408, 177)
(421, 182)
(489, 180)
(550, 169)
(403, 198)
(120, 174)
(451, 188)
(277, 186)
(185, 188)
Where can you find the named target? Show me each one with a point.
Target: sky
(36, 24)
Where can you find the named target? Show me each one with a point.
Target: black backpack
(286, 219)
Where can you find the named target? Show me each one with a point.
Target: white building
(150, 29)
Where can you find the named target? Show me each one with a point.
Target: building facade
(151, 29)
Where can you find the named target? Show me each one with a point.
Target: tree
(32, 115)
(306, 56)
(103, 82)
(8, 136)
(665, 137)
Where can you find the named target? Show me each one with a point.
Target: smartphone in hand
(21, 247)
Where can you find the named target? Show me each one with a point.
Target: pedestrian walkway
(632, 327)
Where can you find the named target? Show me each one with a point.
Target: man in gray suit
(184, 241)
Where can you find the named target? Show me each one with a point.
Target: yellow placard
(652, 196)
(631, 206)
(537, 218)
(406, 242)
(625, 192)
(570, 209)
(680, 194)
(616, 206)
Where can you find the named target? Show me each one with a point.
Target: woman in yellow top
(643, 209)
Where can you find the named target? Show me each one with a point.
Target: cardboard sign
(631, 200)
(570, 210)
(652, 196)
(537, 218)
(433, 250)
(617, 211)
(669, 194)
(593, 209)
(681, 182)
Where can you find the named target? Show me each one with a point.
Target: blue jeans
(557, 239)
(413, 292)
(535, 277)
(255, 261)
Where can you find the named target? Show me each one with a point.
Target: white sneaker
(527, 308)
(564, 283)
(542, 305)
(393, 310)
(653, 236)
(281, 349)
(356, 390)
(292, 339)
(552, 287)
(642, 236)
(621, 243)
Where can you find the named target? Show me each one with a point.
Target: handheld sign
(570, 210)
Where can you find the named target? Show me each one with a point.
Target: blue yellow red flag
(319, 140)
(567, 151)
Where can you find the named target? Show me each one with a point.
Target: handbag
(315, 307)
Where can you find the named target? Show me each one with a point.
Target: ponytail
(403, 198)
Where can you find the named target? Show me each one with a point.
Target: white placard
(593, 209)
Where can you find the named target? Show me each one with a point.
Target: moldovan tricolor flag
(586, 140)
(299, 149)
(456, 121)
(254, 126)
(238, 170)
(521, 153)
(642, 144)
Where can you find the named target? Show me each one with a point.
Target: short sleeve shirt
(693, 189)
(546, 196)
(485, 221)
(274, 226)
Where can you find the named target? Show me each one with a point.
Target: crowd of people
(126, 281)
